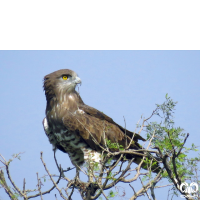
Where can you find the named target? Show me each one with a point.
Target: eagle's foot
(62, 172)
(77, 180)
(68, 169)
(77, 183)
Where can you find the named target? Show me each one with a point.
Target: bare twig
(6, 164)
(16, 188)
(39, 186)
(72, 191)
(60, 168)
(100, 186)
(121, 178)
(46, 192)
(182, 145)
(3, 159)
(130, 141)
(6, 187)
(24, 183)
(125, 131)
(147, 186)
(164, 186)
(55, 184)
(145, 190)
(136, 175)
(151, 115)
(133, 189)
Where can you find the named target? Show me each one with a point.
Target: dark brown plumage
(76, 128)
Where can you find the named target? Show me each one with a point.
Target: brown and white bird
(76, 128)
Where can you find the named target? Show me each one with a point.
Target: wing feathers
(100, 115)
(95, 130)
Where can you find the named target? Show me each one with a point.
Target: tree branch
(61, 194)
(5, 186)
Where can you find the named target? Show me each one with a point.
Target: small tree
(165, 145)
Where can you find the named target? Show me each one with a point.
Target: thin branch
(183, 144)
(52, 178)
(174, 167)
(120, 178)
(3, 159)
(145, 120)
(125, 131)
(60, 168)
(6, 187)
(17, 189)
(145, 190)
(72, 191)
(152, 190)
(126, 152)
(164, 186)
(39, 186)
(24, 183)
(133, 189)
(104, 136)
(145, 150)
(147, 186)
(100, 186)
(43, 193)
(176, 181)
(8, 173)
(130, 141)
(151, 115)
(171, 141)
(136, 175)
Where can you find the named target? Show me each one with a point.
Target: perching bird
(76, 128)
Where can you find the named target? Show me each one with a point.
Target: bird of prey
(76, 128)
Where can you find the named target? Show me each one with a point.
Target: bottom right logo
(190, 189)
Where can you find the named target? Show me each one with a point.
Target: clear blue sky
(119, 83)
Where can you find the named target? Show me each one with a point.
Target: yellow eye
(64, 77)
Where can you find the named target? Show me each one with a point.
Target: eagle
(77, 129)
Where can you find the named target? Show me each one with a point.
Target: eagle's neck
(57, 105)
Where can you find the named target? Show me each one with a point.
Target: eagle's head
(60, 82)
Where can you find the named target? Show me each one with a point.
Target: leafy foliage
(170, 140)
(111, 145)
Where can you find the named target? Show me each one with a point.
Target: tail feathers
(149, 163)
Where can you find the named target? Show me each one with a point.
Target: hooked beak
(77, 80)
